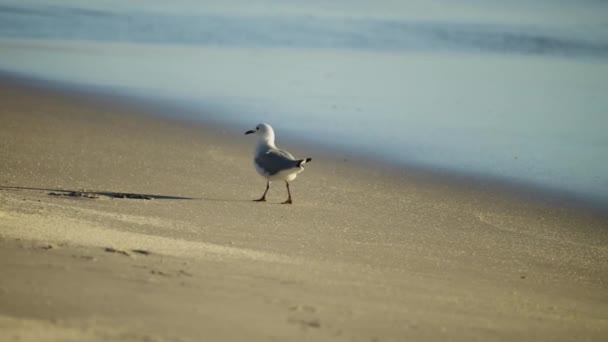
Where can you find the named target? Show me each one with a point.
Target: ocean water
(516, 91)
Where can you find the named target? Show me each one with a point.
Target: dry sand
(366, 253)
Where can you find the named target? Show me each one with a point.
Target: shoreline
(476, 181)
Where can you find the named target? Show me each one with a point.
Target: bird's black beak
(249, 132)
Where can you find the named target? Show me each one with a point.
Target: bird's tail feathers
(303, 161)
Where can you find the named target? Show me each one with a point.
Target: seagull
(273, 163)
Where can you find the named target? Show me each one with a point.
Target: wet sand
(118, 225)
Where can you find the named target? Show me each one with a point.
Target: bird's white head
(264, 132)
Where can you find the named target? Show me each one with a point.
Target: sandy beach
(118, 225)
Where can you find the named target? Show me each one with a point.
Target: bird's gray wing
(274, 161)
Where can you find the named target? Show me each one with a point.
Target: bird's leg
(288, 201)
(263, 198)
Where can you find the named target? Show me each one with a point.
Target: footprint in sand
(118, 251)
(304, 316)
(127, 253)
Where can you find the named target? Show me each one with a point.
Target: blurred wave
(70, 23)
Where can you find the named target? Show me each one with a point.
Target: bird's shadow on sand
(94, 194)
